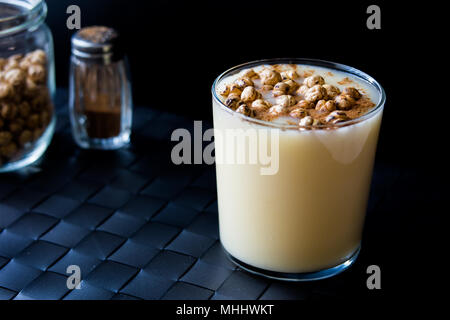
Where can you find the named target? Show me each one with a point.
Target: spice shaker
(100, 99)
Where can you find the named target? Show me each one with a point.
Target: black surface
(153, 244)
(48, 286)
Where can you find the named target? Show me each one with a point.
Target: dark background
(177, 48)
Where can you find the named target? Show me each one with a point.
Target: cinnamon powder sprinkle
(345, 81)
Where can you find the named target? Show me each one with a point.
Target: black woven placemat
(140, 227)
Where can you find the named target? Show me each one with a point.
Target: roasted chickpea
(315, 93)
(298, 113)
(249, 94)
(232, 100)
(302, 90)
(245, 110)
(286, 100)
(305, 104)
(311, 81)
(270, 77)
(15, 77)
(336, 115)
(344, 102)
(260, 105)
(289, 74)
(276, 110)
(332, 91)
(293, 86)
(325, 106)
(352, 92)
(243, 83)
(280, 88)
(224, 90)
(306, 121)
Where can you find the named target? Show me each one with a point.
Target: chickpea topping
(302, 90)
(332, 91)
(315, 93)
(260, 105)
(325, 106)
(306, 121)
(244, 109)
(311, 81)
(277, 110)
(280, 88)
(339, 120)
(344, 102)
(286, 100)
(305, 104)
(224, 90)
(292, 86)
(267, 87)
(352, 92)
(270, 77)
(232, 100)
(336, 116)
(312, 102)
(249, 94)
(289, 74)
(243, 83)
(235, 89)
(298, 113)
(250, 73)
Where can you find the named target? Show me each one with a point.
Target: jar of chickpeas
(27, 83)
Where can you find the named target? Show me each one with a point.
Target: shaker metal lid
(97, 42)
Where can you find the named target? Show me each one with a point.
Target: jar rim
(31, 13)
(306, 61)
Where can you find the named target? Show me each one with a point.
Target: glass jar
(27, 83)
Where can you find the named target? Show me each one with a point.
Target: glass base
(104, 144)
(306, 276)
(38, 149)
